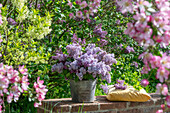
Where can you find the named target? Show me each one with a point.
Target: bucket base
(83, 91)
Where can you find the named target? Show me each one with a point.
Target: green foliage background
(39, 32)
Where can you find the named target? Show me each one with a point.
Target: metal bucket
(83, 91)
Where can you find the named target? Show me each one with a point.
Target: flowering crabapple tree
(151, 28)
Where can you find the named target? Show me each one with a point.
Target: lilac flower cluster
(74, 50)
(120, 85)
(98, 31)
(129, 49)
(74, 39)
(105, 88)
(93, 61)
(11, 21)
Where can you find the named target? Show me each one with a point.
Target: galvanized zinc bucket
(83, 91)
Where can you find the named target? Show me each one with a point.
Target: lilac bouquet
(82, 63)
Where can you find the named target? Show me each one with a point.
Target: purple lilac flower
(135, 64)
(105, 88)
(103, 42)
(94, 61)
(60, 57)
(80, 75)
(58, 67)
(101, 55)
(129, 49)
(74, 50)
(121, 82)
(73, 65)
(84, 41)
(98, 31)
(82, 70)
(38, 6)
(109, 59)
(11, 21)
(120, 85)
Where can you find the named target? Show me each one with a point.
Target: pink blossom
(126, 5)
(146, 57)
(70, 4)
(163, 25)
(163, 5)
(88, 20)
(1, 101)
(142, 19)
(168, 100)
(162, 74)
(141, 4)
(15, 92)
(36, 104)
(166, 38)
(162, 89)
(78, 2)
(160, 111)
(161, 21)
(97, 3)
(4, 82)
(155, 61)
(13, 75)
(165, 61)
(144, 82)
(25, 82)
(145, 32)
(0, 109)
(9, 98)
(40, 90)
(71, 15)
(91, 5)
(157, 38)
(22, 70)
(85, 11)
(91, 12)
(83, 4)
(145, 69)
(163, 106)
(130, 30)
(79, 14)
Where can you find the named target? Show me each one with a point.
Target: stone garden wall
(101, 105)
